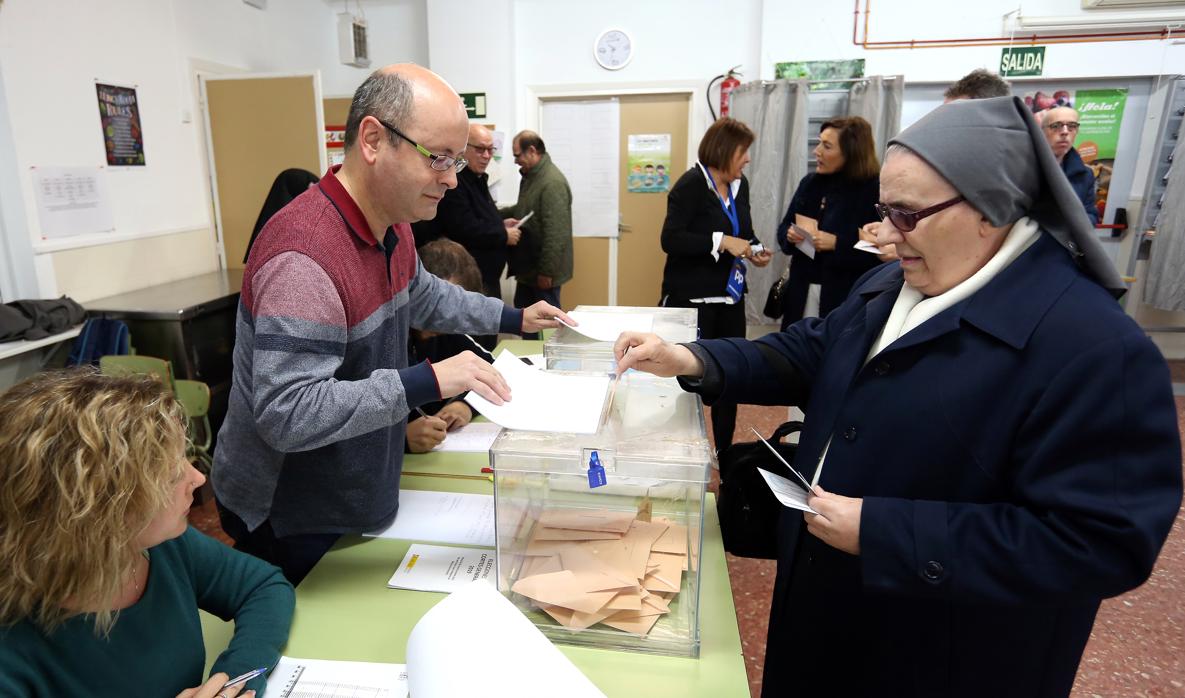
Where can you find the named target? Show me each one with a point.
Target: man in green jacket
(542, 261)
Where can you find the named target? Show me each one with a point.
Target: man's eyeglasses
(1059, 125)
(906, 221)
(440, 163)
(488, 150)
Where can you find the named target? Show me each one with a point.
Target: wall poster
(119, 113)
(649, 163)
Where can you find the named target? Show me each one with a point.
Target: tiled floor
(1136, 648)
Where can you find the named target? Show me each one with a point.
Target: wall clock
(613, 49)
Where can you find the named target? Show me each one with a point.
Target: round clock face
(613, 49)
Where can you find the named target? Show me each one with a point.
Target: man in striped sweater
(312, 445)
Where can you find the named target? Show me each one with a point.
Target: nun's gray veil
(993, 152)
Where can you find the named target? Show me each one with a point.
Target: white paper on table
(788, 493)
(865, 246)
(474, 437)
(543, 401)
(336, 679)
(607, 327)
(536, 360)
(441, 568)
(442, 517)
(806, 246)
(501, 651)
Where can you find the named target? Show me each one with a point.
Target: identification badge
(736, 281)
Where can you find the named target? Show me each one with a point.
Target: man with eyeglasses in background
(542, 263)
(312, 445)
(469, 216)
(1060, 125)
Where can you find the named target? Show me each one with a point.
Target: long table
(344, 609)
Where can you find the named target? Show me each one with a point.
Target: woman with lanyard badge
(708, 238)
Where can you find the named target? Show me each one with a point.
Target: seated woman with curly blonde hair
(103, 577)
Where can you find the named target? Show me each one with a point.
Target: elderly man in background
(1060, 125)
(992, 442)
(542, 263)
(312, 445)
(469, 216)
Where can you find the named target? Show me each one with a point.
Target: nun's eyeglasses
(906, 221)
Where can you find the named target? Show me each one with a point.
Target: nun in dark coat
(993, 442)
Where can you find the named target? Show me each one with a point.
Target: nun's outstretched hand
(650, 353)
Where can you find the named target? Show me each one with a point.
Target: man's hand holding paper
(544, 315)
(468, 371)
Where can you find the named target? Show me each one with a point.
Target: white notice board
(583, 140)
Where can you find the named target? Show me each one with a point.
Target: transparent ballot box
(615, 565)
(568, 350)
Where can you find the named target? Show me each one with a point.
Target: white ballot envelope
(788, 493)
(865, 246)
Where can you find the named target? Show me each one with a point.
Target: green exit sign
(475, 104)
(1017, 62)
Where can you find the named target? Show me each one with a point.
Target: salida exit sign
(1017, 62)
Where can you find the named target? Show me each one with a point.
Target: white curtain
(878, 100)
(777, 113)
(1165, 287)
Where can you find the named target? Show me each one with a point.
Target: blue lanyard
(730, 208)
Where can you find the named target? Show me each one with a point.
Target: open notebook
(322, 678)
(476, 628)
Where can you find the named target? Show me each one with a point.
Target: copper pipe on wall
(1026, 39)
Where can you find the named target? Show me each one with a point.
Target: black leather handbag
(773, 300)
(747, 508)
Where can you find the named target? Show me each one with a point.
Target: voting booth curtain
(1165, 288)
(777, 112)
(878, 100)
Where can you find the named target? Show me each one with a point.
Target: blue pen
(243, 678)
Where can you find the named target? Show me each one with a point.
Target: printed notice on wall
(72, 201)
(119, 113)
(649, 163)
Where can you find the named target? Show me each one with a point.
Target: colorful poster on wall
(1100, 114)
(335, 144)
(119, 114)
(842, 70)
(649, 163)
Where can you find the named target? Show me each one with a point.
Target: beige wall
(88, 273)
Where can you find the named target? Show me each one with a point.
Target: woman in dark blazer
(708, 238)
(831, 205)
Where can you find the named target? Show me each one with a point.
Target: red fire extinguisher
(730, 83)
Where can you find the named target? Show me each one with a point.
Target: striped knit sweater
(314, 432)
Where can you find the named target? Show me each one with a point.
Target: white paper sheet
(501, 652)
(583, 141)
(441, 568)
(474, 437)
(323, 678)
(865, 246)
(607, 327)
(726, 300)
(806, 246)
(442, 517)
(542, 401)
(72, 201)
(788, 493)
